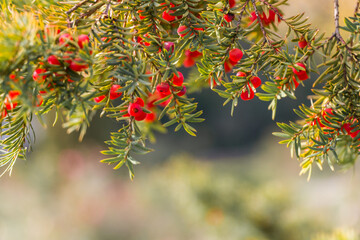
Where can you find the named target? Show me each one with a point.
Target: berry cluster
(265, 20)
(191, 57)
(235, 56)
(248, 93)
(60, 66)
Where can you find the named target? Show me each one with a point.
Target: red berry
(166, 15)
(241, 74)
(192, 54)
(163, 89)
(150, 117)
(139, 101)
(141, 116)
(229, 17)
(302, 43)
(182, 92)
(301, 74)
(182, 31)
(255, 81)
(13, 94)
(65, 38)
(245, 95)
(189, 62)
(37, 75)
(232, 3)
(76, 66)
(178, 81)
(296, 84)
(135, 109)
(83, 39)
(52, 60)
(169, 46)
(350, 130)
(271, 17)
(114, 93)
(99, 98)
(9, 104)
(235, 55)
(140, 16)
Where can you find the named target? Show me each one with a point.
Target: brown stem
(357, 7)
(260, 23)
(76, 7)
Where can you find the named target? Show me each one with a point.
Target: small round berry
(235, 55)
(9, 104)
(135, 109)
(65, 38)
(52, 60)
(178, 80)
(99, 98)
(255, 81)
(167, 15)
(301, 74)
(39, 100)
(302, 43)
(140, 101)
(150, 117)
(83, 39)
(163, 89)
(182, 31)
(141, 16)
(37, 75)
(189, 62)
(169, 46)
(141, 116)
(232, 3)
(229, 17)
(245, 95)
(241, 74)
(76, 66)
(114, 93)
(13, 94)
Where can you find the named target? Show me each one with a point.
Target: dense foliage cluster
(121, 58)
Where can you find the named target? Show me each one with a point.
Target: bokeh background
(232, 181)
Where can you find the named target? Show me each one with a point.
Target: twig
(357, 7)
(76, 7)
(336, 16)
(260, 23)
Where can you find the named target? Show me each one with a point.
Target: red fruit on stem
(65, 38)
(140, 16)
(77, 66)
(271, 17)
(302, 43)
(52, 60)
(178, 80)
(99, 98)
(301, 74)
(296, 84)
(255, 81)
(150, 117)
(241, 74)
(182, 92)
(229, 17)
(182, 31)
(189, 62)
(114, 93)
(37, 75)
(13, 94)
(139, 101)
(9, 104)
(169, 46)
(135, 109)
(83, 39)
(235, 55)
(163, 89)
(232, 3)
(167, 15)
(245, 95)
(141, 116)
(192, 54)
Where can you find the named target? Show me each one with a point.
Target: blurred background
(232, 181)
